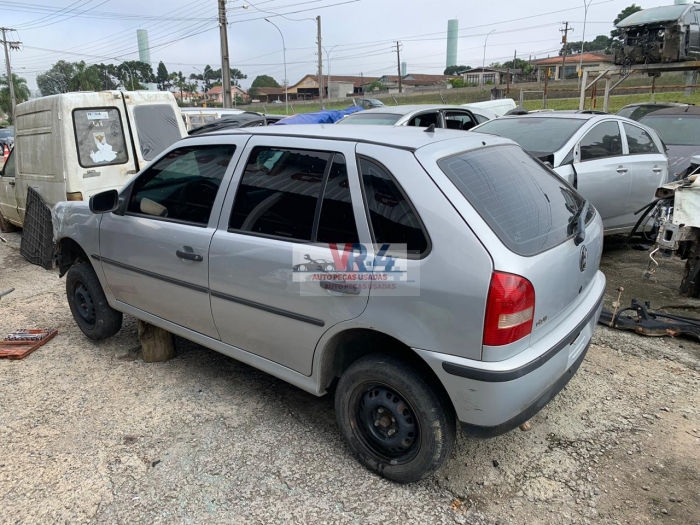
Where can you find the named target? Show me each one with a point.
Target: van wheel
(6, 226)
(393, 421)
(88, 303)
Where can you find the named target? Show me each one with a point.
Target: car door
(463, 120)
(273, 248)
(648, 165)
(603, 173)
(154, 252)
(425, 119)
(8, 186)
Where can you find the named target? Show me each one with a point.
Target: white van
(73, 145)
(500, 107)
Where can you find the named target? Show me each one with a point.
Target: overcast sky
(357, 34)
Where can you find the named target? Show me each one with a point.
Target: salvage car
(369, 103)
(679, 128)
(669, 33)
(247, 119)
(421, 116)
(641, 109)
(494, 313)
(614, 162)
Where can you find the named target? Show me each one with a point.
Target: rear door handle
(11, 182)
(189, 255)
(622, 170)
(657, 170)
(340, 287)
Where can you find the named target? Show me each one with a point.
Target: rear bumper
(491, 398)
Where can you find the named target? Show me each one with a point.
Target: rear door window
(527, 206)
(157, 128)
(603, 141)
(639, 141)
(99, 137)
(459, 120)
(425, 119)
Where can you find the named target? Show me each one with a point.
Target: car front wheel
(394, 422)
(88, 303)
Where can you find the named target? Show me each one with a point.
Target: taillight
(510, 309)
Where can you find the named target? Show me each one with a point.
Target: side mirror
(104, 202)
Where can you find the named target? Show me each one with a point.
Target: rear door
(8, 187)
(605, 175)
(155, 254)
(290, 199)
(649, 166)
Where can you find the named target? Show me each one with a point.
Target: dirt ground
(92, 434)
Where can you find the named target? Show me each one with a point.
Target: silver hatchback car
(432, 277)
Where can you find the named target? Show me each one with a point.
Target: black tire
(379, 394)
(88, 303)
(6, 226)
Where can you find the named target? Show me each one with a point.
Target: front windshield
(655, 14)
(534, 134)
(675, 130)
(371, 119)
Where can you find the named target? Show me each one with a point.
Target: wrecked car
(679, 129)
(663, 34)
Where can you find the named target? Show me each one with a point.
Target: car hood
(679, 158)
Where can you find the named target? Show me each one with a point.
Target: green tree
(261, 81)
(374, 85)
(457, 82)
(236, 75)
(162, 77)
(109, 76)
(615, 34)
(21, 94)
(141, 71)
(56, 79)
(85, 78)
(455, 70)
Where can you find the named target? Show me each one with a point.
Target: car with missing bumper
(421, 116)
(227, 240)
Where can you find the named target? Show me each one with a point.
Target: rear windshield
(538, 135)
(527, 206)
(675, 130)
(157, 128)
(375, 119)
(664, 13)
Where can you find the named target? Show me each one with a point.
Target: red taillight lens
(510, 309)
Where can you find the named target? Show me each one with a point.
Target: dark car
(669, 33)
(641, 109)
(679, 128)
(369, 103)
(249, 119)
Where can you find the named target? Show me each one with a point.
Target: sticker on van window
(104, 152)
(97, 115)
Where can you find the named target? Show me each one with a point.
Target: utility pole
(13, 45)
(320, 60)
(398, 63)
(225, 63)
(565, 41)
(362, 85)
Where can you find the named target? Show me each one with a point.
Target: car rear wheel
(394, 422)
(89, 305)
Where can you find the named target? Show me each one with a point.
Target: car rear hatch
(526, 217)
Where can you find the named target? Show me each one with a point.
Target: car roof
(660, 104)
(677, 110)
(396, 137)
(410, 108)
(559, 114)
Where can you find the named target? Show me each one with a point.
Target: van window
(99, 137)
(527, 206)
(8, 169)
(182, 185)
(157, 128)
(279, 192)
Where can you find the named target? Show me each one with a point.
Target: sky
(358, 35)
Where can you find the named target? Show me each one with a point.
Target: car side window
(424, 120)
(182, 185)
(392, 216)
(337, 219)
(604, 140)
(459, 120)
(279, 191)
(639, 141)
(9, 169)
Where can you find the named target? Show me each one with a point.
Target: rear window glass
(372, 119)
(675, 130)
(157, 128)
(655, 14)
(527, 206)
(99, 137)
(534, 134)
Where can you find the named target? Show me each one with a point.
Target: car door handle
(657, 170)
(622, 170)
(189, 255)
(11, 182)
(339, 288)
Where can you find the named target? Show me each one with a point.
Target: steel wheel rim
(385, 423)
(84, 303)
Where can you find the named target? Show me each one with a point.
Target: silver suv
(429, 277)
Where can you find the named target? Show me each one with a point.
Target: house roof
(270, 90)
(418, 79)
(587, 58)
(218, 89)
(357, 81)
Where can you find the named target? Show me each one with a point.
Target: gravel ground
(92, 434)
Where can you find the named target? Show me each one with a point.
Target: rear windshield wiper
(579, 218)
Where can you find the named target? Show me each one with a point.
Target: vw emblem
(583, 260)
